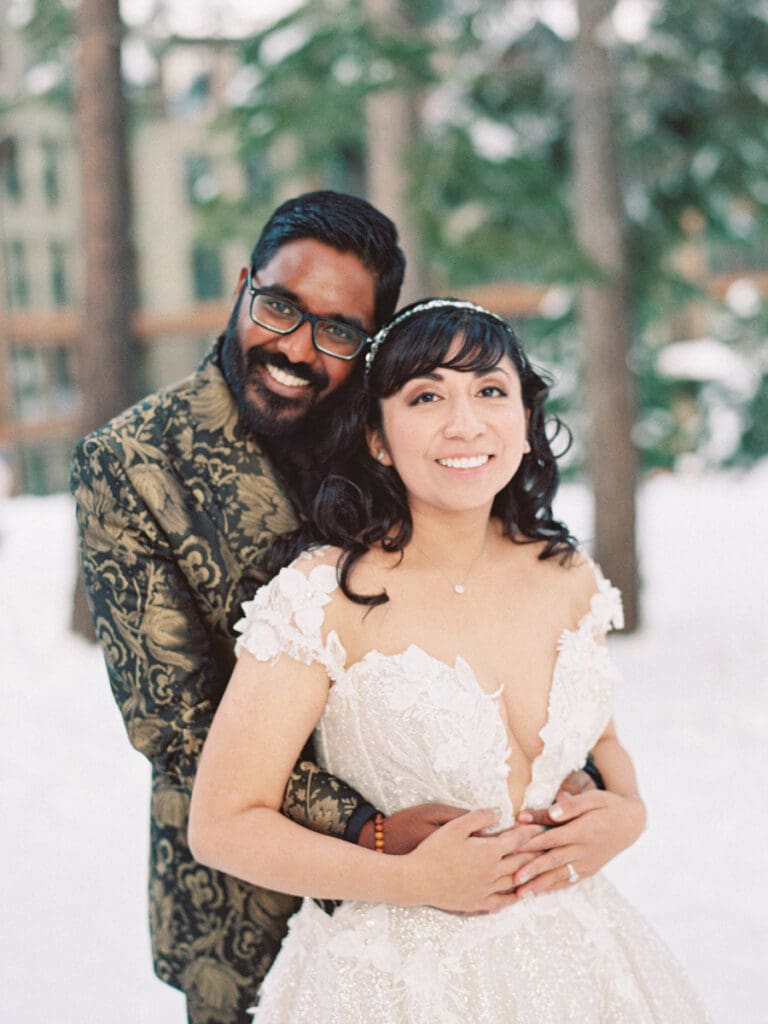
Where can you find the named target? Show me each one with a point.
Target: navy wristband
(594, 772)
(359, 817)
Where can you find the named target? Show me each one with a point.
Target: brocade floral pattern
(177, 506)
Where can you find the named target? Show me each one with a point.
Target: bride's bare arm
(592, 827)
(235, 825)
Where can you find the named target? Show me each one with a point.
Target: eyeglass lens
(281, 316)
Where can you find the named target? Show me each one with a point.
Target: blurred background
(592, 169)
(595, 170)
(460, 119)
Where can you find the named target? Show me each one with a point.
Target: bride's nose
(463, 421)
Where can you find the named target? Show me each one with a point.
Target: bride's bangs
(423, 345)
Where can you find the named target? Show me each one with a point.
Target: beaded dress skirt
(406, 729)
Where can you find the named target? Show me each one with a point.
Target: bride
(445, 644)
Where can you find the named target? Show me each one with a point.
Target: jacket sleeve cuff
(594, 772)
(361, 814)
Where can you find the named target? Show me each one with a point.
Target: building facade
(179, 164)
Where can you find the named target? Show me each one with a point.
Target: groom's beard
(265, 413)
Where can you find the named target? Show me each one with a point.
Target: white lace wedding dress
(406, 729)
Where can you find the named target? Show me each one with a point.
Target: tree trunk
(392, 125)
(108, 352)
(604, 305)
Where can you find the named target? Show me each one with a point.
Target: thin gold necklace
(458, 588)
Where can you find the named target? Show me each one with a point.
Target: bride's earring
(380, 456)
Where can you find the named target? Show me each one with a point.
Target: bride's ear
(376, 447)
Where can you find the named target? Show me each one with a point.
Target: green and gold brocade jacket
(177, 505)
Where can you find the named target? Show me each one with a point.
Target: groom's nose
(297, 346)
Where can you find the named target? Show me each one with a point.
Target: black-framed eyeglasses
(332, 337)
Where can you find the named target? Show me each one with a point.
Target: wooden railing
(28, 328)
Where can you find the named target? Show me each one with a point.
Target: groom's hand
(404, 831)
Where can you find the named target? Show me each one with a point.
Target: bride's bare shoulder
(569, 578)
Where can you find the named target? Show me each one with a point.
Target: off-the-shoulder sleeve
(287, 616)
(606, 611)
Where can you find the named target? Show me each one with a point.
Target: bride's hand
(458, 869)
(591, 829)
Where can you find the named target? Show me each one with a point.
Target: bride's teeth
(286, 378)
(469, 462)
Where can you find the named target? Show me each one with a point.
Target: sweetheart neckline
(297, 599)
(496, 698)
(559, 648)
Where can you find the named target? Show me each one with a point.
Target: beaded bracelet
(378, 832)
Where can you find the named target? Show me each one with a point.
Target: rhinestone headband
(381, 335)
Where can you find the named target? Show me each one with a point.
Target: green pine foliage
(489, 169)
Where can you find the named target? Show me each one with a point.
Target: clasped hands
(453, 862)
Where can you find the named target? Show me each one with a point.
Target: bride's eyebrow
(426, 375)
(498, 368)
(483, 371)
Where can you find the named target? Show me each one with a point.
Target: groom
(178, 502)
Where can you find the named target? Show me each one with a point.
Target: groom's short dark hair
(347, 224)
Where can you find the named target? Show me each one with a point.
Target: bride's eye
(423, 397)
(492, 391)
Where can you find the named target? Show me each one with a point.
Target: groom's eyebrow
(286, 293)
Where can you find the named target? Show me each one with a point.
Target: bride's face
(455, 437)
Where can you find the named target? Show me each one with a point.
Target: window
(28, 373)
(9, 163)
(33, 469)
(58, 274)
(208, 279)
(43, 382)
(44, 466)
(51, 181)
(63, 396)
(18, 281)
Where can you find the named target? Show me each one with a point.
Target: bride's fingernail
(556, 812)
(522, 879)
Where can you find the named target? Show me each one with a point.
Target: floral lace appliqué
(286, 616)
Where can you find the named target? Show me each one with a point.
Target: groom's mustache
(256, 358)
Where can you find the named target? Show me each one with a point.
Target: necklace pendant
(458, 587)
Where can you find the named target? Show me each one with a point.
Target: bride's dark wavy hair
(361, 503)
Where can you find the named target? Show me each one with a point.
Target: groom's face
(278, 379)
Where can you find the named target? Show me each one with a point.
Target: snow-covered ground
(692, 710)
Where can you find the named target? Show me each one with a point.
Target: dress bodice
(408, 728)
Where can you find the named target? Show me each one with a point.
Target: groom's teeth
(286, 378)
(469, 462)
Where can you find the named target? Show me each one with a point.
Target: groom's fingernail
(556, 812)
